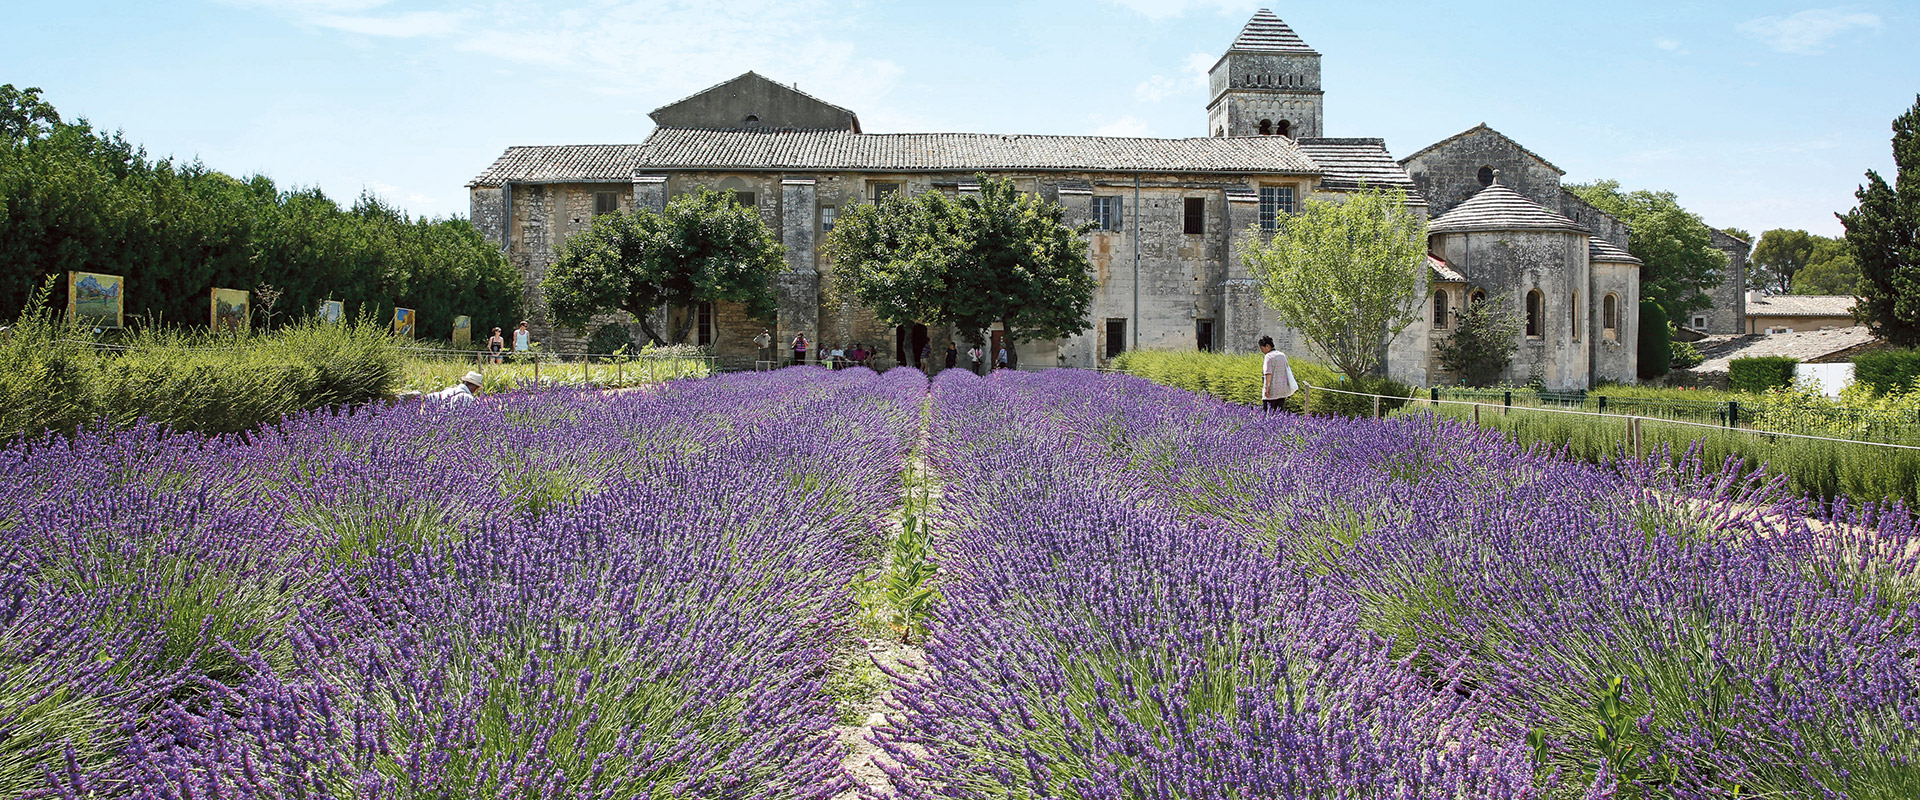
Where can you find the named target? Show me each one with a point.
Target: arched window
(753, 120)
(1479, 296)
(1284, 129)
(1440, 309)
(1536, 313)
(1266, 127)
(1573, 315)
(1486, 176)
(1610, 315)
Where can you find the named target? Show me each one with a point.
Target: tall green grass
(1237, 379)
(56, 376)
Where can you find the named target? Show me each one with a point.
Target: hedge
(1757, 374)
(1236, 379)
(1656, 340)
(1888, 371)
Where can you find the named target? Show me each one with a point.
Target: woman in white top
(1276, 378)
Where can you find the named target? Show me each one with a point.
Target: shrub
(609, 339)
(1656, 340)
(1235, 378)
(1760, 373)
(1483, 342)
(1888, 371)
(1686, 356)
(47, 376)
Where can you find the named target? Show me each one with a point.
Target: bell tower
(1268, 84)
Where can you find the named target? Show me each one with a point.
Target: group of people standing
(497, 344)
(859, 355)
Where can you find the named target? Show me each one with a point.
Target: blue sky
(1757, 114)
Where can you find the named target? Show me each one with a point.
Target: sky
(1757, 114)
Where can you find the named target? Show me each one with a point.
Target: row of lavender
(558, 595)
(1150, 594)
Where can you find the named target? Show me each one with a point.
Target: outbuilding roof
(1353, 164)
(584, 163)
(1601, 250)
(1802, 305)
(679, 148)
(1813, 347)
(1442, 271)
(1498, 208)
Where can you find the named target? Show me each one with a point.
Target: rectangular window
(1573, 315)
(1116, 336)
(744, 198)
(1699, 323)
(1274, 201)
(1196, 215)
(1106, 213)
(704, 324)
(826, 218)
(883, 190)
(605, 202)
(1203, 334)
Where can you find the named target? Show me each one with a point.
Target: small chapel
(1171, 218)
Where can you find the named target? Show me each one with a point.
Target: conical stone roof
(1603, 251)
(1498, 208)
(1266, 33)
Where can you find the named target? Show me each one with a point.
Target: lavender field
(1135, 592)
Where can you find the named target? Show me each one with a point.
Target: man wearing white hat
(457, 395)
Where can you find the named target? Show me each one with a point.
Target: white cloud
(407, 25)
(1808, 32)
(1671, 45)
(1125, 125)
(1193, 77)
(1168, 9)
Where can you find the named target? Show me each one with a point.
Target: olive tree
(703, 248)
(1344, 274)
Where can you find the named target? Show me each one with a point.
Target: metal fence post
(1435, 392)
(1507, 405)
(1733, 413)
(1603, 404)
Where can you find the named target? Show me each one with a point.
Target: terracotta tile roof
(561, 163)
(1808, 346)
(1498, 208)
(678, 148)
(1442, 271)
(1802, 305)
(1601, 250)
(1266, 33)
(1350, 164)
(1480, 128)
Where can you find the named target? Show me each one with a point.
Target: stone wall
(1449, 173)
(1511, 264)
(1247, 87)
(1615, 357)
(1728, 314)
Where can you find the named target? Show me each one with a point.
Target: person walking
(522, 338)
(496, 347)
(1000, 361)
(764, 342)
(800, 348)
(973, 359)
(1276, 376)
(458, 395)
(953, 355)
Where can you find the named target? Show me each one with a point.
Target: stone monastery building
(1173, 217)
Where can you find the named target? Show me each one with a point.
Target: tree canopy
(1884, 232)
(993, 256)
(1778, 257)
(1485, 336)
(705, 247)
(73, 198)
(1831, 270)
(1681, 263)
(1345, 274)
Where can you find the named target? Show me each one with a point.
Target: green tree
(1832, 269)
(1779, 256)
(1656, 340)
(995, 256)
(705, 247)
(1738, 233)
(1884, 232)
(1485, 337)
(1681, 263)
(1344, 274)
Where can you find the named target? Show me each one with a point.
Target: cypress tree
(1884, 230)
(1656, 340)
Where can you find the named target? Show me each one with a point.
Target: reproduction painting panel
(230, 310)
(97, 299)
(462, 330)
(403, 322)
(332, 311)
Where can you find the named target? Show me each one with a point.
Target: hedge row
(1237, 379)
(1888, 371)
(1757, 374)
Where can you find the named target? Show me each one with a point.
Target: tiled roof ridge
(1497, 207)
(1354, 140)
(1482, 127)
(756, 74)
(1266, 32)
(1599, 249)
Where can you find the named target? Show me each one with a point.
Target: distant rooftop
(1802, 305)
(1498, 208)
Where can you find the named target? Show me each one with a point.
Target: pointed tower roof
(1266, 33)
(1498, 208)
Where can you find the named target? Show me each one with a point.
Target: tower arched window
(1486, 176)
(1440, 309)
(1536, 313)
(1266, 127)
(1610, 316)
(1284, 128)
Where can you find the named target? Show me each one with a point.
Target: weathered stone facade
(1177, 216)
